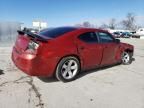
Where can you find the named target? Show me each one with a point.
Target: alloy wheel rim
(69, 69)
(125, 57)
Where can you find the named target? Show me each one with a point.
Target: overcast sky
(69, 12)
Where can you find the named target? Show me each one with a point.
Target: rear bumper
(34, 65)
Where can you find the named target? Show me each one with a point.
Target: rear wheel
(67, 69)
(126, 58)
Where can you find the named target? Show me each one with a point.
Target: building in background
(8, 31)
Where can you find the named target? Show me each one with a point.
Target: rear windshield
(55, 32)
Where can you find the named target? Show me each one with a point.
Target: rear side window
(55, 32)
(105, 37)
(89, 37)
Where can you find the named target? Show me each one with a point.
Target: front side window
(105, 37)
(89, 37)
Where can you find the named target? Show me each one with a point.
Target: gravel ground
(114, 87)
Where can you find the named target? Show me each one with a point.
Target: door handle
(82, 47)
(106, 46)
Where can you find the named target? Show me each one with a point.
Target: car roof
(87, 28)
(77, 28)
(74, 29)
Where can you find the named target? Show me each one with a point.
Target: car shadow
(133, 59)
(48, 80)
(1, 72)
(81, 74)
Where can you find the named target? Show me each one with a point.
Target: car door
(89, 49)
(110, 48)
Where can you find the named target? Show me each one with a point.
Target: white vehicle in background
(140, 33)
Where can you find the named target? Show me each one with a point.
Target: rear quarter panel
(58, 48)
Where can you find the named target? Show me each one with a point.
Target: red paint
(45, 59)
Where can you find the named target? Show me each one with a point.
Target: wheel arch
(70, 55)
(130, 53)
(128, 50)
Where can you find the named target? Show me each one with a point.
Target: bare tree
(85, 24)
(103, 26)
(129, 22)
(112, 24)
(78, 25)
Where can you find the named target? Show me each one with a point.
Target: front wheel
(126, 58)
(67, 69)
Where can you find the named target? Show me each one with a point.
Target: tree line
(128, 23)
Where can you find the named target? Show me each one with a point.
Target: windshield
(55, 32)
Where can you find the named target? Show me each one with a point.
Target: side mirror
(117, 40)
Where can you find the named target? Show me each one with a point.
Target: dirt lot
(114, 87)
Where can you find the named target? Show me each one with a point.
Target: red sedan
(65, 51)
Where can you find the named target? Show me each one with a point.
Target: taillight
(32, 47)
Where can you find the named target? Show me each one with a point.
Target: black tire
(126, 58)
(59, 70)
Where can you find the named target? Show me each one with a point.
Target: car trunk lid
(28, 42)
